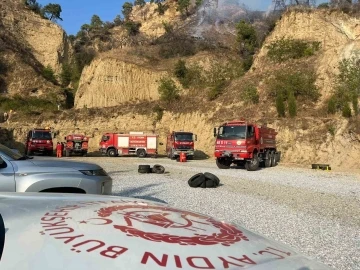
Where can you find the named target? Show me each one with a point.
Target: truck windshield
(41, 135)
(228, 132)
(105, 138)
(183, 137)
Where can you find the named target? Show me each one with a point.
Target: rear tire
(111, 152)
(273, 159)
(253, 164)
(141, 153)
(223, 163)
(172, 155)
(267, 161)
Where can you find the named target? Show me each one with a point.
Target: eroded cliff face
(29, 43)
(151, 22)
(47, 41)
(110, 82)
(338, 33)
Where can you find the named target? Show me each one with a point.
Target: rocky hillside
(118, 91)
(29, 44)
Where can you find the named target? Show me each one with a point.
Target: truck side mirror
(215, 132)
(195, 138)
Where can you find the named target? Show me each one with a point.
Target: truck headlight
(100, 172)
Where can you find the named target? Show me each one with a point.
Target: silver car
(20, 173)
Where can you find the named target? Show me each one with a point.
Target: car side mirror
(215, 131)
(2, 163)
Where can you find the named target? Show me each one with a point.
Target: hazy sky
(78, 12)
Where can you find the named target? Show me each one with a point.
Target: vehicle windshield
(10, 153)
(229, 132)
(105, 138)
(183, 137)
(41, 135)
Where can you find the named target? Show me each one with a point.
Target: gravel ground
(315, 212)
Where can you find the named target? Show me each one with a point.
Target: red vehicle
(114, 144)
(244, 143)
(180, 141)
(39, 140)
(76, 144)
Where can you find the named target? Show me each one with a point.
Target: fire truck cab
(178, 142)
(39, 140)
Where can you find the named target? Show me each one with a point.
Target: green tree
(331, 106)
(280, 105)
(183, 6)
(247, 39)
(48, 74)
(180, 69)
(65, 75)
(198, 3)
(127, 9)
(346, 110)
(85, 28)
(96, 22)
(139, 3)
(168, 90)
(52, 12)
(292, 105)
(117, 20)
(72, 38)
(133, 28)
(347, 89)
(161, 8)
(33, 6)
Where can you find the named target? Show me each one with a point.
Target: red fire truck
(180, 141)
(244, 143)
(39, 140)
(134, 143)
(76, 144)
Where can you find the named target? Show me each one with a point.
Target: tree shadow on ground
(143, 192)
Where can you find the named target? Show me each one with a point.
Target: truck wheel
(28, 152)
(273, 159)
(172, 155)
(267, 161)
(84, 154)
(253, 164)
(223, 163)
(141, 153)
(111, 153)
